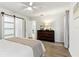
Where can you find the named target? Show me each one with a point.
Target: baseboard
(70, 52)
(59, 42)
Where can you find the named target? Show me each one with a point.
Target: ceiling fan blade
(28, 9)
(29, 6)
(34, 7)
(30, 3)
(25, 9)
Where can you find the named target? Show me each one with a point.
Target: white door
(34, 29)
(19, 27)
(31, 29)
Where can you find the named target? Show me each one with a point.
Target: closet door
(31, 29)
(34, 30)
(19, 30)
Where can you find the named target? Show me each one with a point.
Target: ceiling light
(29, 8)
(30, 3)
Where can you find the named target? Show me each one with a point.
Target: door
(31, 29)
(34, 29)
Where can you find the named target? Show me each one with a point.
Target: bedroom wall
(74, 31)
(59, 28)
(11, 13)
(0, 27)
(57, 24)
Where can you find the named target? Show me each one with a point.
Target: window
(19, 27)
(8, 26)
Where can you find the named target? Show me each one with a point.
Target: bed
(21, 47)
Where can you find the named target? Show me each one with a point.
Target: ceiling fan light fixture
(29, 8)
(30, 3)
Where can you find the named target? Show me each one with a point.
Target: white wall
(59, 28)
(57, 24)
(1, 27)
(74, 32)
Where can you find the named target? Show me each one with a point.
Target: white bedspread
(12, 49)
(36, 45)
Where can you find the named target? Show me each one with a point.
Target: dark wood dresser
(45, 35)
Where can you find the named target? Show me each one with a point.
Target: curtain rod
(11, 15)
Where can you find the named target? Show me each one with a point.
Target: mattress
(36, 45)
(12, 49)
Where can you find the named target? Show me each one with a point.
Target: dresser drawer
(45, 35)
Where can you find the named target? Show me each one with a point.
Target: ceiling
(42, 8)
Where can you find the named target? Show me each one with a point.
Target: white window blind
(8, 26)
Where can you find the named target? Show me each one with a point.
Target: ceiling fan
(29, 6)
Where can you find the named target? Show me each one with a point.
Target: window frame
(13, 34)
